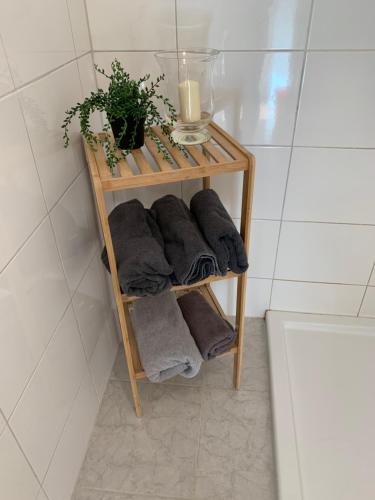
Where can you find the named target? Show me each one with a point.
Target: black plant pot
(126, 140)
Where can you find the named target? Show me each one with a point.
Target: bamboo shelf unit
(146, 167)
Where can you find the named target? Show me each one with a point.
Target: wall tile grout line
(8, 421)
(20, 88)
(26, 458)
(244, 50)
(291, 150)
(367, 286)
(47, 215)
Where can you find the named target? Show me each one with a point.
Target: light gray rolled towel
(165, 345)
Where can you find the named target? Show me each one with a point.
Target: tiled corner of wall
(293, 84)
(58, 336)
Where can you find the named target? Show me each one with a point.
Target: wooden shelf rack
(146, 167)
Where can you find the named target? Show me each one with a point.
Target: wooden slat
(101, 161)
(197, 155)
(179, 288)
(245, 152)
(142, 163)
(123, 166)
(229, 147)
(174, 175)
(214, 152)
(162, 163)
(178, 157)
(137, 364)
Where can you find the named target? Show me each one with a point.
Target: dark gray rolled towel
(185, 248)
(212, 334)
(165, 345)
(219, 230)
(141, 264)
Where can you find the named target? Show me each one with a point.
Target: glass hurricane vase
(189, 88)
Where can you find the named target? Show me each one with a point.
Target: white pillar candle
(190, 103)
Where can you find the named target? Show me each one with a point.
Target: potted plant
(131, 110)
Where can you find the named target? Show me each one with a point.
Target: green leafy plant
(126, 99)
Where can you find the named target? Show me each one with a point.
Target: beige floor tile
(254, 376)
(85, 494)
(235, 445)
(152, 455)
(157, 457)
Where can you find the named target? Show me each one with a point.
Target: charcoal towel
(220, 232)
(165, 345)
(185, 248)
(141, 263)
(212, 334)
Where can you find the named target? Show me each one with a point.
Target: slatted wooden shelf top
(146, 167)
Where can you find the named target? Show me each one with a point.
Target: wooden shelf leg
(206, 181)
(129, 360)
(247, 193)
(123, 316)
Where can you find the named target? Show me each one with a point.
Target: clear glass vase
(189, 88)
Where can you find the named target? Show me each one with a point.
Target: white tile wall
(253, 24)
(341, 24)
(42, 361)
(264, 238)
(321, 298)
(80, 29)
(329, 176)
(16, 478)
(337, 106)
(368, 305)
(91, 303)
(333, 253)
(39, 417)
(257, 95)
(103, 357)
(19, 180)
(37, 37)
(70, 452)
(140, 25)
(34, 296)
(331, 185)
(372, 278)
(74, 224)
(257, 296)
(44, 115)
(6, 82)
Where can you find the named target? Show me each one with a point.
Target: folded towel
(220, 232)
(212, 334)
(141, 264)
(165, 345)
(185, 248)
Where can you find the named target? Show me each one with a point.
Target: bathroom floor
(198, 438)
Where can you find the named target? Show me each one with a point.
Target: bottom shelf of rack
(212, 300)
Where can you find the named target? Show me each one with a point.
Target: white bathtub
(323, 394)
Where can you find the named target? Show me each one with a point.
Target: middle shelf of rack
(205, 290)
(179, 288)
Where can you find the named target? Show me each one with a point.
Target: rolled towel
(185, 248)
(141, 264)
(219, 230)
(212, 334)
(165, 345)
